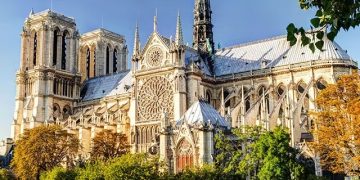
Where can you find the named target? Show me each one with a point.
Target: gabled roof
(202, 113)
(276, 51)
(105, 86)
(163, 39)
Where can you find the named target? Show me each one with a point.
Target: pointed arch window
(115, 57)
(35, 49)
(88, 63)
(107, 63)
(64, 49)
(55, 47)
(226, 94)
(208, 97)
(94, 62)
(247, 104)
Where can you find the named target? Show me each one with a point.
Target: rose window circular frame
(155, 98)
(154, 56)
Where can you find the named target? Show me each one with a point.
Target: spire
(136, 41)
(203, 35)
(155, 21)
(179, 34)
(31, 12)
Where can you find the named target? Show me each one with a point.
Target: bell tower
(48, 80)
(203, 34)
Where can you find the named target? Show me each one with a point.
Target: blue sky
(235, 21)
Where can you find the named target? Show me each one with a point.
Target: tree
(132, 166)
(91, 171)
(331, 17)
(263, 154)
(337, 132)
(108, 145)
(43, 148)
(206, 171)
(229, 152)
(58, 173)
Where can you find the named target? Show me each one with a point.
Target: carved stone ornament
(155, 98)
(154, 56)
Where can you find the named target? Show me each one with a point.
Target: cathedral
(174, 97)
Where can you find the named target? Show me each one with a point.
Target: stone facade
(174, 98)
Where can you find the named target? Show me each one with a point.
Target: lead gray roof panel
(201, 113)
(276, 51)
(104, 86)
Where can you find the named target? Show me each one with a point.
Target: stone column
(85, 140)
(206, 147)
(71, 54)
(48, 100)
(24, 48)
(59, 53)
(50, 50)
(294, 125)
(179, 95)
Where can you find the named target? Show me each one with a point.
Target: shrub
(6, 174)
(206, 171)
(132, 166)
(58, 173)
(91, 171)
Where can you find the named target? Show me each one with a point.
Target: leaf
(320, 35)
(319, 45)
(291, 28)
(331, 35)
(319, 13)
(292, 39)
(315, 22)
(312, 47)
(302, 31)
(335, 22)
(305, 40)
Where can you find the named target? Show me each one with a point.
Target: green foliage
(6, 175)
(209, 172)
(331, 16)
(58, 173)
(258, 153)
(91, 171)
(132, 166)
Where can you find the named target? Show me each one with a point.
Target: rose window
(155, 98)
(154, 56)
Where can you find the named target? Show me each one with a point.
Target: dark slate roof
(104, 86)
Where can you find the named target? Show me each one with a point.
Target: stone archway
(185, 156)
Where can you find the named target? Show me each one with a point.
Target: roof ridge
(103, 30)
(253, 42)
(108, 75)
(52, 12)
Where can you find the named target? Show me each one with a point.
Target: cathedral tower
(203, 35)
(48, 80)
(102, 52)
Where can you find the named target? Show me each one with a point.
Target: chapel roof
(201, 113)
